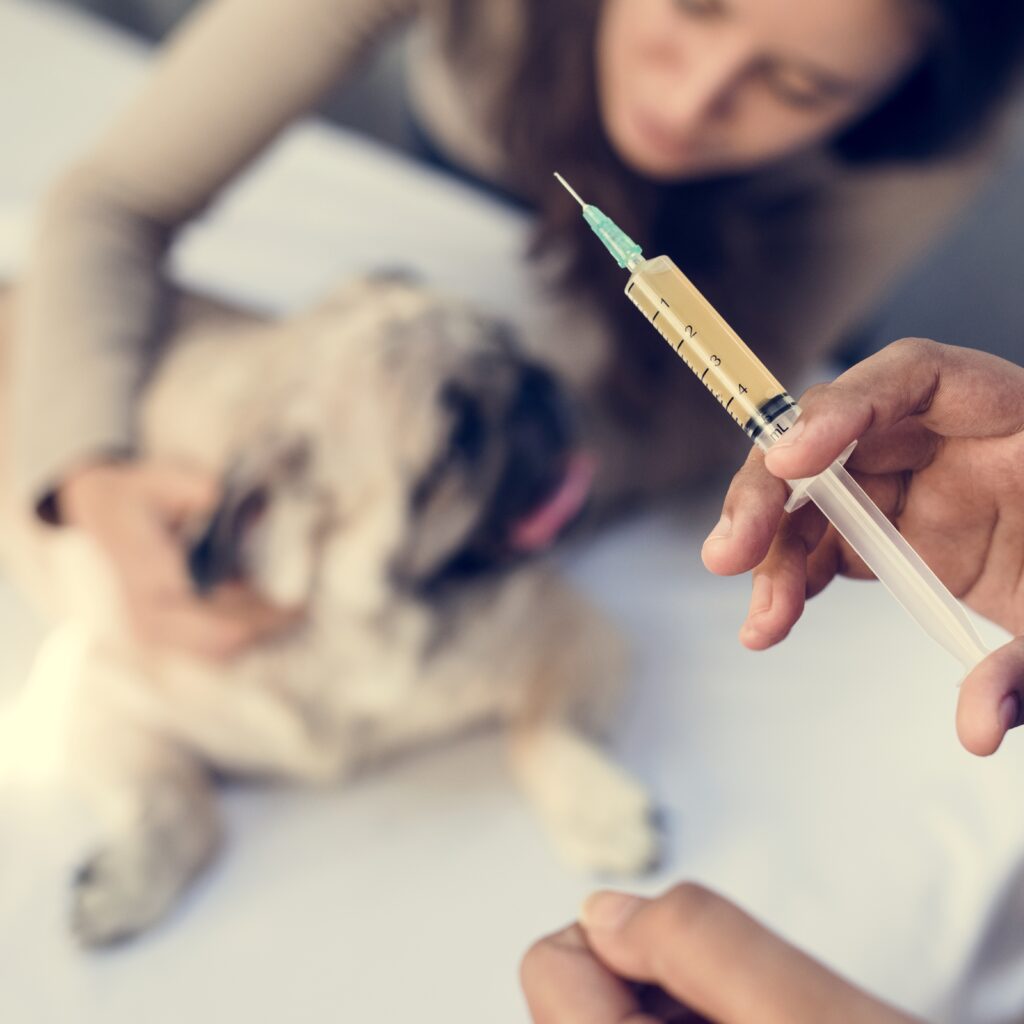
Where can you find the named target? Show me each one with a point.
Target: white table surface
(820, 784)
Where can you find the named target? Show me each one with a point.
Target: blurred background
(870, 839)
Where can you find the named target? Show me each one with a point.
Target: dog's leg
(600, 818)
(160, 821)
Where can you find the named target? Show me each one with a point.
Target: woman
(752, 139)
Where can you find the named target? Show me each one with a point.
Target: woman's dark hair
(971, 61)
(548, 118)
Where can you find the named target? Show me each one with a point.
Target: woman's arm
(237, 73)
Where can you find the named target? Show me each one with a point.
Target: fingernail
(761, 597)
(791, 436)
(748, 634)
(1009, 711)
(608, 911)
(722, 529)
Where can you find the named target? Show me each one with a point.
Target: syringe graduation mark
(685, 332)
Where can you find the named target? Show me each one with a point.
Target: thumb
(181, 491)
(992, 699)
(718, 961)
(700, 949)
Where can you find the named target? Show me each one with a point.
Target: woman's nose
(704, 85)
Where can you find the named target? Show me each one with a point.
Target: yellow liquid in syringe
(712, 350)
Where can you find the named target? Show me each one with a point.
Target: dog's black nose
(538, 418)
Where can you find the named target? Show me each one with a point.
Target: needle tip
(569, 189)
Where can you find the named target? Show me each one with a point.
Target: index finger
(206, 629)
(952, 391)
(564, 983)
(151, 561)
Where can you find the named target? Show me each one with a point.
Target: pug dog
(391, 461)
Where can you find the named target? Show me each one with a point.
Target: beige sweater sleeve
(227, 83)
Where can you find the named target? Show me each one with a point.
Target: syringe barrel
(895, 563)
(698, 334)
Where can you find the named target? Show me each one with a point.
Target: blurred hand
(135, 511)
(941, 451)
(687, 955)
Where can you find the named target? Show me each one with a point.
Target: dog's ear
(269, 465)
(396, 275)
(353, 294)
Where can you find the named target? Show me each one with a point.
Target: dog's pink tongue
(540, 528)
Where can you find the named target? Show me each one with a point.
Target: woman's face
(694, 88)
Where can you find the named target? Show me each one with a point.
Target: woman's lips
(665, 144)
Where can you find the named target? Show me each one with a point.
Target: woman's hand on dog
(940, 434)
(687, 955)
(135, 511)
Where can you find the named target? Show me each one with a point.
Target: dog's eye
(469, 428)
(465, 447)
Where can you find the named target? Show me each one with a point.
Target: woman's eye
(698, 8)
(797, 93)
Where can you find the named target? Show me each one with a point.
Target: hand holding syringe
(766, 413)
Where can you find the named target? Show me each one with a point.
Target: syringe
(766, 412)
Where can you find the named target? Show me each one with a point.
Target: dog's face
(408, 440)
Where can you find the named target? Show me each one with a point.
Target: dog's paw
(116, 894)
(600, 818)
(109, 899)
(609, 828)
